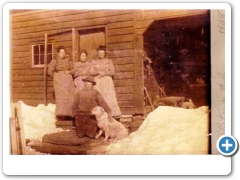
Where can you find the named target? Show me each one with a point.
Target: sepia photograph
(122, 82)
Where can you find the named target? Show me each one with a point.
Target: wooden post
(13, 134)
(149, 99)
(138, 70)
(20, 129)
(75, 45)
(45, 69)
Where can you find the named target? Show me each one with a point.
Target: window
(38, 54)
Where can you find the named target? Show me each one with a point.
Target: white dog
(114, 129)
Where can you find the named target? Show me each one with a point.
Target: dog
(113, 130)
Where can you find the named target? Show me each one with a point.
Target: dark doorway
(179, 49)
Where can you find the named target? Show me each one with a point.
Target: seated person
(84, 101)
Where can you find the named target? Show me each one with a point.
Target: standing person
(61, 69)
(84, 102)
(103, 70)
(81, 70)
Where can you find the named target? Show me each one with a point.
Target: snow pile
(168, 130)
(38, 121)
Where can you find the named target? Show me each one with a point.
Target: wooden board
(120, 31)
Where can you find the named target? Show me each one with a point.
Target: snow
(168, 130)
(38, 121)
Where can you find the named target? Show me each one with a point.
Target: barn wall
(124, 29)
(29, 28)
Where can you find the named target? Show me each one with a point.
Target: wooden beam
(120, 38)
(121, 46)
(45, 69)
(21, 128)
(120, 31)
(117, 25)
(138, 73)
(124, 75)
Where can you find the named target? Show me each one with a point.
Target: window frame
(39, 54)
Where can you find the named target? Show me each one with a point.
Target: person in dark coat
(84, 101)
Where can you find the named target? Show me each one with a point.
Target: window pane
(49, 48)
(41, 59)
(36, 59)
(41, 49)
(36, 49)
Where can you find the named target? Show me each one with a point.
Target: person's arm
(51, 67)
(111, 69)
(71, 67)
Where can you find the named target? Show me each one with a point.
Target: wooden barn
(174, 40)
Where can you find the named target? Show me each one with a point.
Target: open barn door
(75, 45)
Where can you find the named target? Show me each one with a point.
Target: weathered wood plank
(30, 96)
(116, 25)
(31, 38)
(125, 97)
(160, 14)
(25, 54)
(21, 48)
(28, 78)
(124, 68)
(26, 72)
(37, 36)
(28, 84)
(127, 110)
(21, 66)
(120, 46)
(140, 31)
(65, 18)
(13, 136)
(169, 14)
(124, 90)
(31, 90)
(123, 82)
(138, 73)
(120, 31)
(124, 75)
(120, 53)
(124, 60)
(144, 23)
(120, 38)
(35, 14)
(125, 104)
(20, 60)
(21, 129)
(73, 23)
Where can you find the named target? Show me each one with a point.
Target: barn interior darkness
(179, 53)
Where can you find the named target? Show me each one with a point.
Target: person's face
(101, 54)
(88, 85)
(62, 54)
(83, 57)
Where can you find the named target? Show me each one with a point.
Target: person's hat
(101, 47)
(90, 79)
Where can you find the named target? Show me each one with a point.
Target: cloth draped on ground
(105, 84)
(63, 85)
(81, 71)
